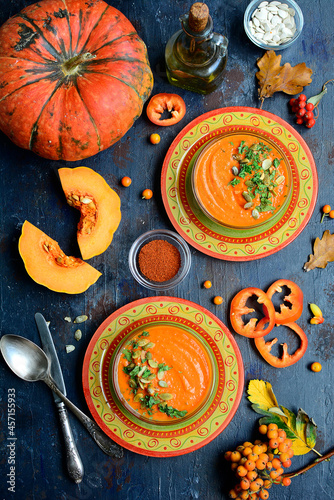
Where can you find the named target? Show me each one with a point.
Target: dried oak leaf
(323, 252)
(273, 77)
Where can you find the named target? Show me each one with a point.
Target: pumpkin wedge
(99, 206)
(47, 264)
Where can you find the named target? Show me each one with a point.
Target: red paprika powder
(159, 260)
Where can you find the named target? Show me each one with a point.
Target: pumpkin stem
(71, 67)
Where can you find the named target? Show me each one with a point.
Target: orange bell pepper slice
(172, 103)
(286, 359)
(295, 298)
(254, 328)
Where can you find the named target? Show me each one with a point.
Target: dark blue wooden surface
(30, 190)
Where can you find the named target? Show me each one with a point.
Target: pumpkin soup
(164, 372)
(240, 181)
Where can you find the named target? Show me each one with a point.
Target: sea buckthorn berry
(290, 452)
(269, 465)
(331, 214)
(155, 138)
(276, 463)
(251, 474)
(271, 456)
(240, 447)
(309, 106)
(218, 300)
(272, 434)
(282, 433)
(287, 463)
(267, 484)
(241, 471)
(227, 455)
(249, 465)
(247, 444)
(254, 486)
(257, 441)
(253, 457)
(257, 449)
(264, 494)
(326, 209)
(272, 427)
(246, 451)
(274, 474)
(244, 495)
(235, 456)
(260, 464)
(147, 194)
(282, 447)
(286, 481)
(207, 284)
(316, 367)
(263, 429)
(264, 456)
(233, 494)
(302, 97)
(234, 466)
(126, 181)
(280, 471)
(244, 483)
(273, 443)
(288, 442)
(284, 457)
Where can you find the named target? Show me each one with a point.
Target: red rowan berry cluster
(260, 465)
(303, 111)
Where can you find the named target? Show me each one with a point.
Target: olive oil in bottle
(195, 56)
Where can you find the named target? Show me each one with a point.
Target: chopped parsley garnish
(171, 412)
(127, 355)
(144, 334)
(234, 182)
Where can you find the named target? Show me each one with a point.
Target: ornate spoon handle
(104, 442)
(73, 460)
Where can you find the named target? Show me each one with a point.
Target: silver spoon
(29, 362)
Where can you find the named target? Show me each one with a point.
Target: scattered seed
(249, 183)
(150, 345)
(235, 171)
(248, 205)
(151, 377)
(141, 385)
(165, 396)
(237, 157)
(149, 355)
(255, 213)
(280, 179)
(86, 201)
(80, 319)
(143, 355)
(131, 366)
(69, 348)
(266, 164)
(244, 162)
(136, 354)
(78, 334)
(150, 389)
(160, 374)
(142, 342)
(92, 205)
(132, 383)
(75, 197)
(162, 383)
(68, 319)
(247, 196)
(141, 371)
(138, 397)
(153, 363)
(144, 381)
(46, 248)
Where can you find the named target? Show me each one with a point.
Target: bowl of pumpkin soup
(163, 373)
(242, 180)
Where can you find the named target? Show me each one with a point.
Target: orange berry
(326, 209)
(287, 463)
(147, 194)
(251, 475)
(272, 434)
(207, 284)
(233, 494)
(260, 464)
(257, 449)
(282, 433)
(269, 465)
(242, 460)
(240, 447)
(286, 481)
(290, 452)
(284, 456)
(235, 456)
(244, 495)
(273, 474)
(288, 442)
(263, 429)
(234, 465)
(271, 456)
(247, 444)
(254, 486)
(282, 447)
(280, 471)
(227, 455)
(264, 494)
(218, 300)
(246, 451)
(155, 138)
(253, 457)
(264, 457)
(126, 181)
(267, 484)
(241, 471)
(316, 367)
(273, 443)
(244, 483)
(272, 427)
(276, 463)
(331, 214)
(250, 465)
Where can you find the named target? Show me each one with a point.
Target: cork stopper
(198, 17)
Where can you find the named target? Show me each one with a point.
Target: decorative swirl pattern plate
(178, 437)
(222, 242)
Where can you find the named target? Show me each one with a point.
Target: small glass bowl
(170, 237)
(299, 20)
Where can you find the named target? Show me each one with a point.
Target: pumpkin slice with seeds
(99, 205)
(47, 264)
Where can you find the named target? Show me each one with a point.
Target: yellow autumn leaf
(299, 447)
(261, 394)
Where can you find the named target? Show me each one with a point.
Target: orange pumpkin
(74, 77)
(47, 264)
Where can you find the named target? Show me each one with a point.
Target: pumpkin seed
(132, 383)
(69, 202)
(92, 206)
(141, 371)
(280, 179)
(254, 147)
(143, 355)
(150, 389)
(69, 348)
(266, 164)
(244, 162)
(248, 205)
(141, 385)
(235, 170)
(81, 319)
(86, 201)
(255, 213)
(138, 397)
(266, 180)
(142, 342)
(149, 355)
(262, 176)
(136, 354)
(75, 197)
(131, 366)
(237, 157)
(166, 396)
(46, 248)
(68, 319)
(151, 377)
(247, 196)
(160, 374)
(249, 183)
(153, 363)
(78, 334)
(150, 345)
(144, 381)
(162, 383)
